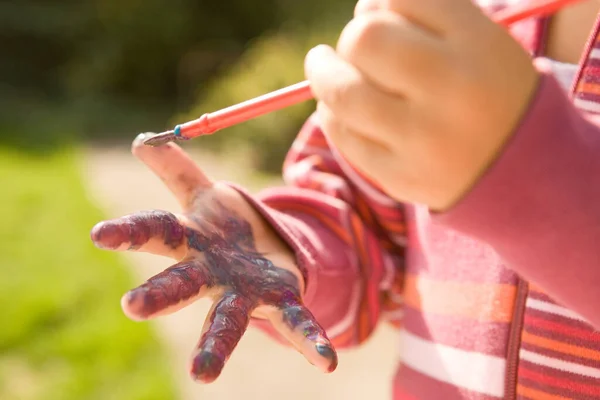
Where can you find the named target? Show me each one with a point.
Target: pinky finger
(297, 324)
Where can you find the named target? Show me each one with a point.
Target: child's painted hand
(421, 95)
(225, 251)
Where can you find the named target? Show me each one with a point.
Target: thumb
(174, 167)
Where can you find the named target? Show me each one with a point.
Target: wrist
(297, 251)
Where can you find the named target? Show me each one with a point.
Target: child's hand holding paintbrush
(412, 97)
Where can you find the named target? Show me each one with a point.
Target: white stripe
(559, 364)
(595, 53)
(306, 150)
(469, 370)
(389, 272)
(399, 239)
(350, 316)
(552, 309)
(295, 171)
(587, 105)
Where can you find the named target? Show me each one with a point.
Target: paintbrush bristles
(161, 139)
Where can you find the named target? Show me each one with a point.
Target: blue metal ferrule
(177, 131)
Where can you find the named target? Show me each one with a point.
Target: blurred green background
(76, 73)
(102, 69)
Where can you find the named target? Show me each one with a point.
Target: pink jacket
(498, 297)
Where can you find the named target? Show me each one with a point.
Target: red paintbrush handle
(282, 98)
(300, 92)
(534, 8)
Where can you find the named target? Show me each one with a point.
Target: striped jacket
(497, 298)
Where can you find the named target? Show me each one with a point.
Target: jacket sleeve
(539, 204)
(350, 256)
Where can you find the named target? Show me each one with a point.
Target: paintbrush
(288, 96)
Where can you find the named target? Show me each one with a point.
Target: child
(454, 193)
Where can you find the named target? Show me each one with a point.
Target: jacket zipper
(514, 341)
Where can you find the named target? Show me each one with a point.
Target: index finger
(354, 100)
(174, 167)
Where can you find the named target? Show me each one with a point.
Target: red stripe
(375, 270)
(365, 321)
(559, 355)
(563, 329)
(594, 62)
(588, 96)
(554, 381)
(385, 211)
(363, 209)
(593, 70)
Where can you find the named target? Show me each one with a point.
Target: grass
(62, 332)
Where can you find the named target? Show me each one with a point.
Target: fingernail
(311, 52)
(130, 298)
(310, 57)
(139, 139)
(107, 236)
(132, 304)
(328, 353)
(318, 51)
(96, 234)
(206, 367)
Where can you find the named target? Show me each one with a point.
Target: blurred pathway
(259, 368)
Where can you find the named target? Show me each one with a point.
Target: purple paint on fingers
(174, 285)
(137, 229)
(237, 266)
(227, 324)
(221, 255)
